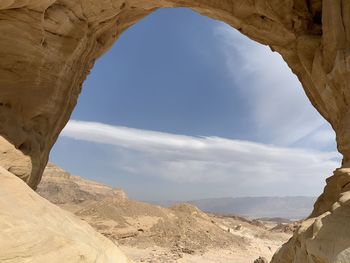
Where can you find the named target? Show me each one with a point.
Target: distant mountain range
(294, 207)
(60, 187)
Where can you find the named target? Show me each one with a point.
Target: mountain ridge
(289, 207)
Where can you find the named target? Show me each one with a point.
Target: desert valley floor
(150, 233)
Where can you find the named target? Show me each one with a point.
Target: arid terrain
(150, 233)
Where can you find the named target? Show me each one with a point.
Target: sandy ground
(262, 242)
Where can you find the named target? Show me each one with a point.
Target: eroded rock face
(48, 47)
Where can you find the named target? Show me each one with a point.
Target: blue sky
(185, 107)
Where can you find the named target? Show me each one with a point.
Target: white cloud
(241, 166)
(279, 107)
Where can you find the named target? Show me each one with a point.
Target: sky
(184, 107)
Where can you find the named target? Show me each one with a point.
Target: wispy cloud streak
(279, 106)
(215, 160)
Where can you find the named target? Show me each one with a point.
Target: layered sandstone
(48, 47)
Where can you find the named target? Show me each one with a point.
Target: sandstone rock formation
(34, 230)
(49, 46)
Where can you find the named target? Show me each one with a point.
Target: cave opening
(192, 109)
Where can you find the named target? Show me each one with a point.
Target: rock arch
(48, 47)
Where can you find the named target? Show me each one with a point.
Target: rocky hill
(60, 187)
(150, 233)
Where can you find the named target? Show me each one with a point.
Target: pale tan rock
(48, 47)
(325, 236)
(34, 230)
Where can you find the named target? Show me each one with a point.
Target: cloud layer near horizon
(242, 165)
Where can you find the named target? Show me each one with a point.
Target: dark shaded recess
(317, 18)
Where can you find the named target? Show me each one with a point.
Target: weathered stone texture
(48, 47)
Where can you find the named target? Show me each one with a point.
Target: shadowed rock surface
(261, 260)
